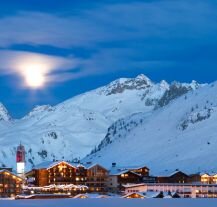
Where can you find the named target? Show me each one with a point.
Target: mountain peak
(143, 77)
(164, 84)
(123, 84)
(4, 114)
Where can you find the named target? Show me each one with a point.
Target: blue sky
(89, 43)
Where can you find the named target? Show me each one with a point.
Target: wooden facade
(10, 184)
(97, 177)
(120, 176)
(129, 177)
(203, 178)
(64, 173)
(58, 174)
(176, 177)
(81, 175)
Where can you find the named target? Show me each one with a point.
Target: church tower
(20, 159)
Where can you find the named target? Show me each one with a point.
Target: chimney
(114, 164)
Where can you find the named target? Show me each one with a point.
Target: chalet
(49, 173)
(10, 184)
(174, 177)
(81, 196)
(90, 195)
(134, 195)
(214, 178)
(199, 178)
(119, 176)
(204, 178)
(97, 177)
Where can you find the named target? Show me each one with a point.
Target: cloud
(20, 62)
(119, 36)
(118, 22)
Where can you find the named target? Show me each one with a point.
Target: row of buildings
(94, 176)
(75, 178)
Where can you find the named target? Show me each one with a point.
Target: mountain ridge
(74, 127)
(181, 135)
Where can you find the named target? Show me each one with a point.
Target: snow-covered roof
(90, 165)
(155, 194)
(213, 174)
(90, 195)
(132, 167)
(204, 174)
(152, 194)
(43, 165)
(132, 185)
(80, 165)
(50, 164)
(170, 173)
(129, 194)
(81, 196)
(4, 170)
(118, 170)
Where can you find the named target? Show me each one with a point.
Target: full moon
(34, 77)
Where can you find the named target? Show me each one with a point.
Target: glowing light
(34, 70)
(34, 76)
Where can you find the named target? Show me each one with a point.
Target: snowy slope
(181, 135)
(72, 128)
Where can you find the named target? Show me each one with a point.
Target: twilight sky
(80, 45)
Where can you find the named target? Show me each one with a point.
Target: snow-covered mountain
(73, 128)
(181, 135)
(4, 115)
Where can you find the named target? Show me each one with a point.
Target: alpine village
(63, 179)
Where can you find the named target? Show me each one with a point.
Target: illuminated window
(124, 175)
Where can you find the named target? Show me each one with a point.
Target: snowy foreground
(111, 203)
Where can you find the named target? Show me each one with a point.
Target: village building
(77, 177)
(48, 173)
(10, 184)
(204, 178)
(214, 178)
(183, 190)
(97, 177)
(81, 175)
(56, 177)
(119, 176)
(173, 177)
(134, 195)
(90, 195)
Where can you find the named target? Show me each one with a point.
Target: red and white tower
(20, 159)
